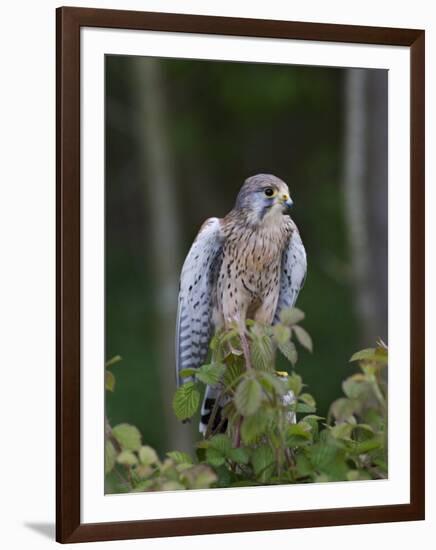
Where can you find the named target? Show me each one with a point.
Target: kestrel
(250, 264)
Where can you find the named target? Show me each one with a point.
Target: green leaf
(367, 354)
(148, 456)
(144, 485)
(183, 466)
(110, 455)
(211, 374)
(272, 382)
(127, 458)
(169, 469)
(262, 353)
(220, 442)
(229, 411)
(343, 408)
(357, 475)
(143, 471)
(239, 455)
(304, 467)
(224, 476)
(228, 335)
(113, 361)
(109, 380)
(302, 429)
(364, 428)
(233, 372)
(362, 447)
(381, 463)
(248, 396)
(323, 455)
(291, 316)
(381, 356)
(321, 478)
(215, 341)
(281, 333)
(342, 431)
(289, 350)
(355, 388)
(128, 436)
(303, 337)
(200, 476)
(186, 400)
(312, 420)
(308, 399)
(186, 373)
(202, 444)
(263, 462)
(298, 434)
(303, 408)
(254, 426)
(180, 457)
(214, 457)
(295, 383)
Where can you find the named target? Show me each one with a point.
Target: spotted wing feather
(197, 285)
(293, 273)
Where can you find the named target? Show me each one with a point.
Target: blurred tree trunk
(366, 197)
(161, 207)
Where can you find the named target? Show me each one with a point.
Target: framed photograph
(240, 262)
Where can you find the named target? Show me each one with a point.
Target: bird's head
(264, 198)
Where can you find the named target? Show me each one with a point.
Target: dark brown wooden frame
(69, 22)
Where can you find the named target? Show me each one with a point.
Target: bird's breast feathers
(256, 248)
(249, 277)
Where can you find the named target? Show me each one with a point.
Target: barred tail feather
(192, 341)
(210, 397)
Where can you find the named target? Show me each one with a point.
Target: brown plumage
(248, 265)
(248, 282)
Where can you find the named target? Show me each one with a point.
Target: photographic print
(246, 274)
(240, 254)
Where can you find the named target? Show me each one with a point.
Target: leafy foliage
(140, 469)
(131, 466)
(109, 375)
(186, 400)
(272, 434)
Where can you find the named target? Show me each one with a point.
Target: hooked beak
(286, 201)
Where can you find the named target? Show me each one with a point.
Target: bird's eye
(269, 192)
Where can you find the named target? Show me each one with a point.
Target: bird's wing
(197, 283)
(293, 273)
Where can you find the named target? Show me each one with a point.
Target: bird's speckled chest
(249, 278)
